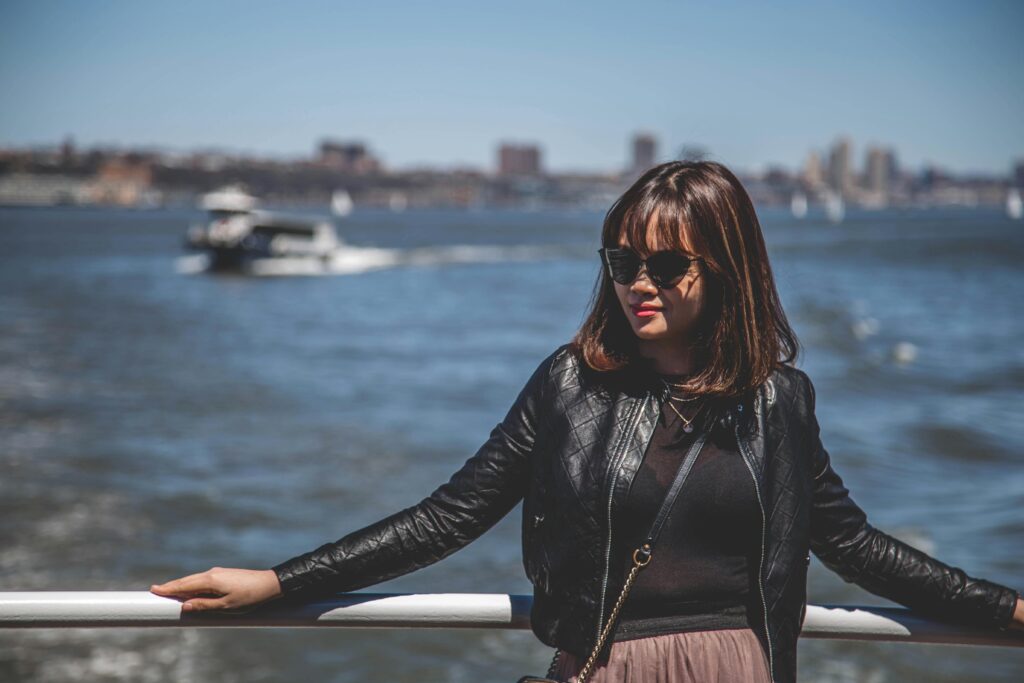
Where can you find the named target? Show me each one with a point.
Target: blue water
(155, 421)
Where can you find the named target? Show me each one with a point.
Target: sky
(442, 83)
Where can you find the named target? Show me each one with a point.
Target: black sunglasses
(665, 268)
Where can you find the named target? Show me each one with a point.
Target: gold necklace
(687, 424)
(669, 385)
(678, 385)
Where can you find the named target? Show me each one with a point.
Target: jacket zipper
(748, 461)
(616, 461)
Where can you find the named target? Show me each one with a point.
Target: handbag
(641, 558)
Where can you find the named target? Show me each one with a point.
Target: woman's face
(662, 315)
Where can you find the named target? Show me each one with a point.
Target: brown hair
(742, 333)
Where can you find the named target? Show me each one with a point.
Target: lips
(644, 310)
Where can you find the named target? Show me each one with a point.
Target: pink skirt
(730, 655)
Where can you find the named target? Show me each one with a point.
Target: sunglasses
(665, 268)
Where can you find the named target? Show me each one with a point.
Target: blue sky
(441, 83)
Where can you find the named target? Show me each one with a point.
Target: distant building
(645, 151)
(121, 181)
(1018, 174)
(352, 157)
(519, 159)
(67, 151)
(894, 167)
(933, 177)
(880, 169)
(813, 174)
(28, 189)
(125, 171)
(840, 176)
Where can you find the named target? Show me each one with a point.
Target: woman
(686, 351)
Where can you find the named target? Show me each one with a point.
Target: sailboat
(341, 203)
(834, 208)
(397, 202)
(1014, 205)
(798, 204)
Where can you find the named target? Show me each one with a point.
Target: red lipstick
(644, 310)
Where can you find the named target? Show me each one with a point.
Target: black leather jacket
(569, 448)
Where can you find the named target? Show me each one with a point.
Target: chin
(650, 335)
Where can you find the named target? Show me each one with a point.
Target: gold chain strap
(553, 667)
(638, 564)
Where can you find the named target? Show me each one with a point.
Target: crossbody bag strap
(642, 555)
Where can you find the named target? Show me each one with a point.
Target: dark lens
(667, 267)
(623, 265)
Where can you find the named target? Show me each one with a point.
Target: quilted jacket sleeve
(846, 543)
(476, 497)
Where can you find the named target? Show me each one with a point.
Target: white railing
(59, 609)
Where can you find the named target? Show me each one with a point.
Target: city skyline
(444, 86)
(149, 177)
(840, 160)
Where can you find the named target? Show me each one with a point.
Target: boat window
(271, 230)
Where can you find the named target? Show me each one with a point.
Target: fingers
(193, 584)
(201, 604)
(185, 595)
(215, 589)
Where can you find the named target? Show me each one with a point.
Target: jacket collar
(645, 398)
(752, 432)
(754, 439)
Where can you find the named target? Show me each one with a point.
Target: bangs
(657, 213)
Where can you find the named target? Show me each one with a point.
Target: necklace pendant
(688, 428)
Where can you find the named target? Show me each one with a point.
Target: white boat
(397, 202)
(239, 237)
(798, 205)
(341, 203)
(228, 199)
(1014, 205)
(834, 208)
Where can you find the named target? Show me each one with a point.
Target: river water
(157, 421)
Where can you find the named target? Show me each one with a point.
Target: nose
(643, 282)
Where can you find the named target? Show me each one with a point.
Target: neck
(668, 358)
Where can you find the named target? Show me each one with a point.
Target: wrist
(273, 583)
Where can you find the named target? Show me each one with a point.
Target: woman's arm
(847, 544)
(483, 491)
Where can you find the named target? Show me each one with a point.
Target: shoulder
(556, 363)
(563, 358)
(554, 368)
(564, 374)
(792, 388)
(562, 370)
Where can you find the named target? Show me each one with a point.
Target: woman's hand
(221, 588)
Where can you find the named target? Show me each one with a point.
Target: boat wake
(348, 260)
